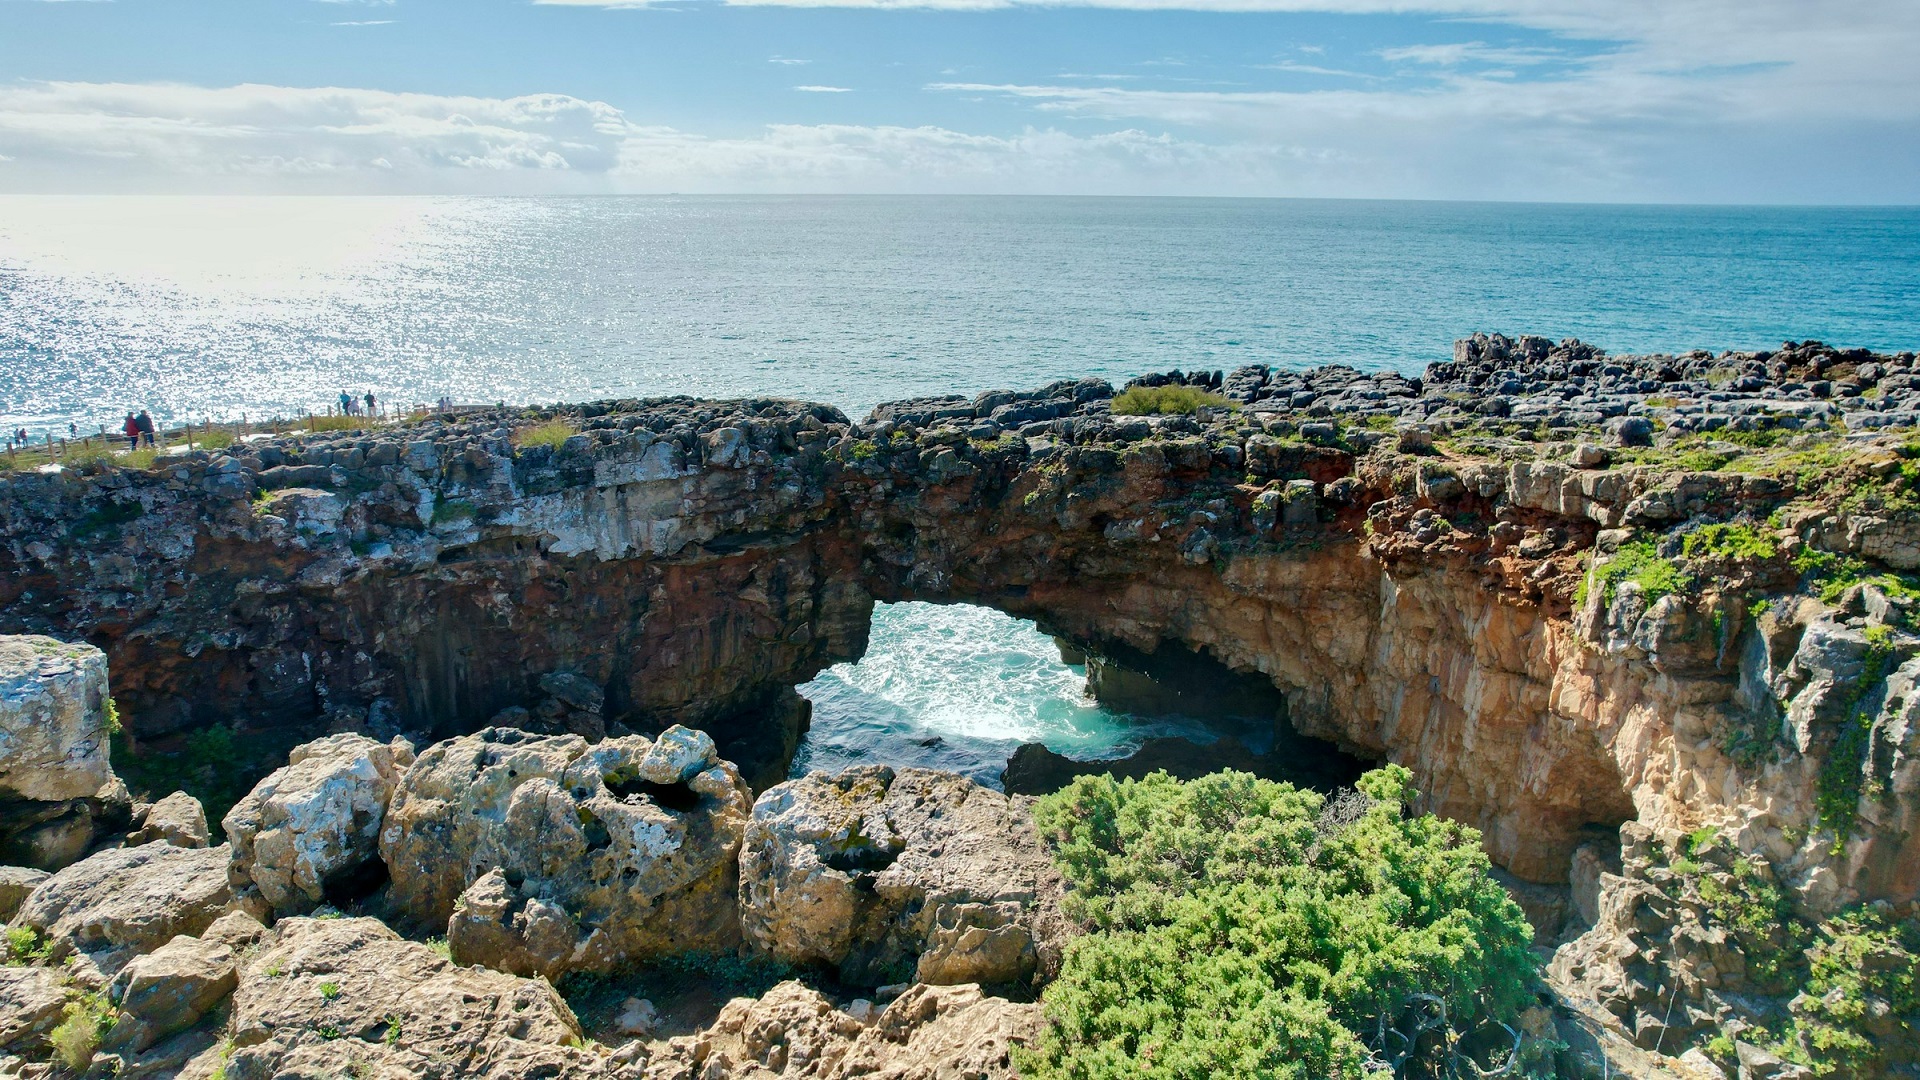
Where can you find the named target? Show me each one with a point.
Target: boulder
(168, 990)
(626, 848)
(53, 720)
(340, 997)
(32, 1002)
(118, 904)
(895, 874)
(310, 831)
(55, 780)
(16, 884)
(928, 1033)
(177, 819)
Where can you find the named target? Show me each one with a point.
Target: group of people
(138, 428)
(351, 406)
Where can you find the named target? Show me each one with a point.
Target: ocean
(222, 308)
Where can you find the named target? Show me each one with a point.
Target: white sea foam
(959, 687)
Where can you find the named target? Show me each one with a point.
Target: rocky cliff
(1569, 590)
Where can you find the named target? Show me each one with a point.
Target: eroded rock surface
(55, 777)
(928, 1033)
(900, 875)
(606, 853)
(336, 997)
(118, 904)
(313, 827)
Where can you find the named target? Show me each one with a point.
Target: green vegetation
(75, 1040)
(1864, 962)
(552, 433)
(1730, 542)
(1242, 927)
(446, 510)
(1838, 788)
(105, 521)
(1639, 562)
(215, 439)
(336, 423)
(330, 990)
(211, 764)
(1167, 401)
(24, 946)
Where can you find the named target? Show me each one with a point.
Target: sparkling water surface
(196, 308)
(217, 307)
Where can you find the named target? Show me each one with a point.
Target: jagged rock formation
(897, 875)
(1439, 571)
(551, 855)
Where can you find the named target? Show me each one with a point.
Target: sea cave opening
(994, 697)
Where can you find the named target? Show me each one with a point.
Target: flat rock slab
(119, 904)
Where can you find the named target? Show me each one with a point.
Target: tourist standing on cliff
(346, 403)
(145, 423)
(132, 431)
(370, 403)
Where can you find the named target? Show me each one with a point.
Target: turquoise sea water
(218, 307)
(197, 307)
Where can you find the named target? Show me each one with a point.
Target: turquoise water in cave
(958, 687)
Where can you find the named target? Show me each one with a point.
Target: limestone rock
(168, 990)
(928, 1033)
(630, 842)
(32, 1000)
(886, 872)
(16, 883)
(312, 826)
(177, 819)
(329, 997)
(53, 720)
(118, 904)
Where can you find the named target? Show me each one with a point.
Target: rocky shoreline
(1643, 621)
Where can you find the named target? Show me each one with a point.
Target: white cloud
(115, 134)
(824, 89)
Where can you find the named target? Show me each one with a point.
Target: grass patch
(336, 423)
(75, 1041)
(552, 433)
(1168, 401)
(1729, 542)
(1639, 562)
(1237, 930)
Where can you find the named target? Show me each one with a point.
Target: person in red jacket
(132, 430)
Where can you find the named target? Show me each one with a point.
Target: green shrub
(1236, 934)
(551, 433)
(1167, 401)
(77, 1038)
(336, 423)
(24, 945)
(1864, 961)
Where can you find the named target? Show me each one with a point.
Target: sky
(1708, 101)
